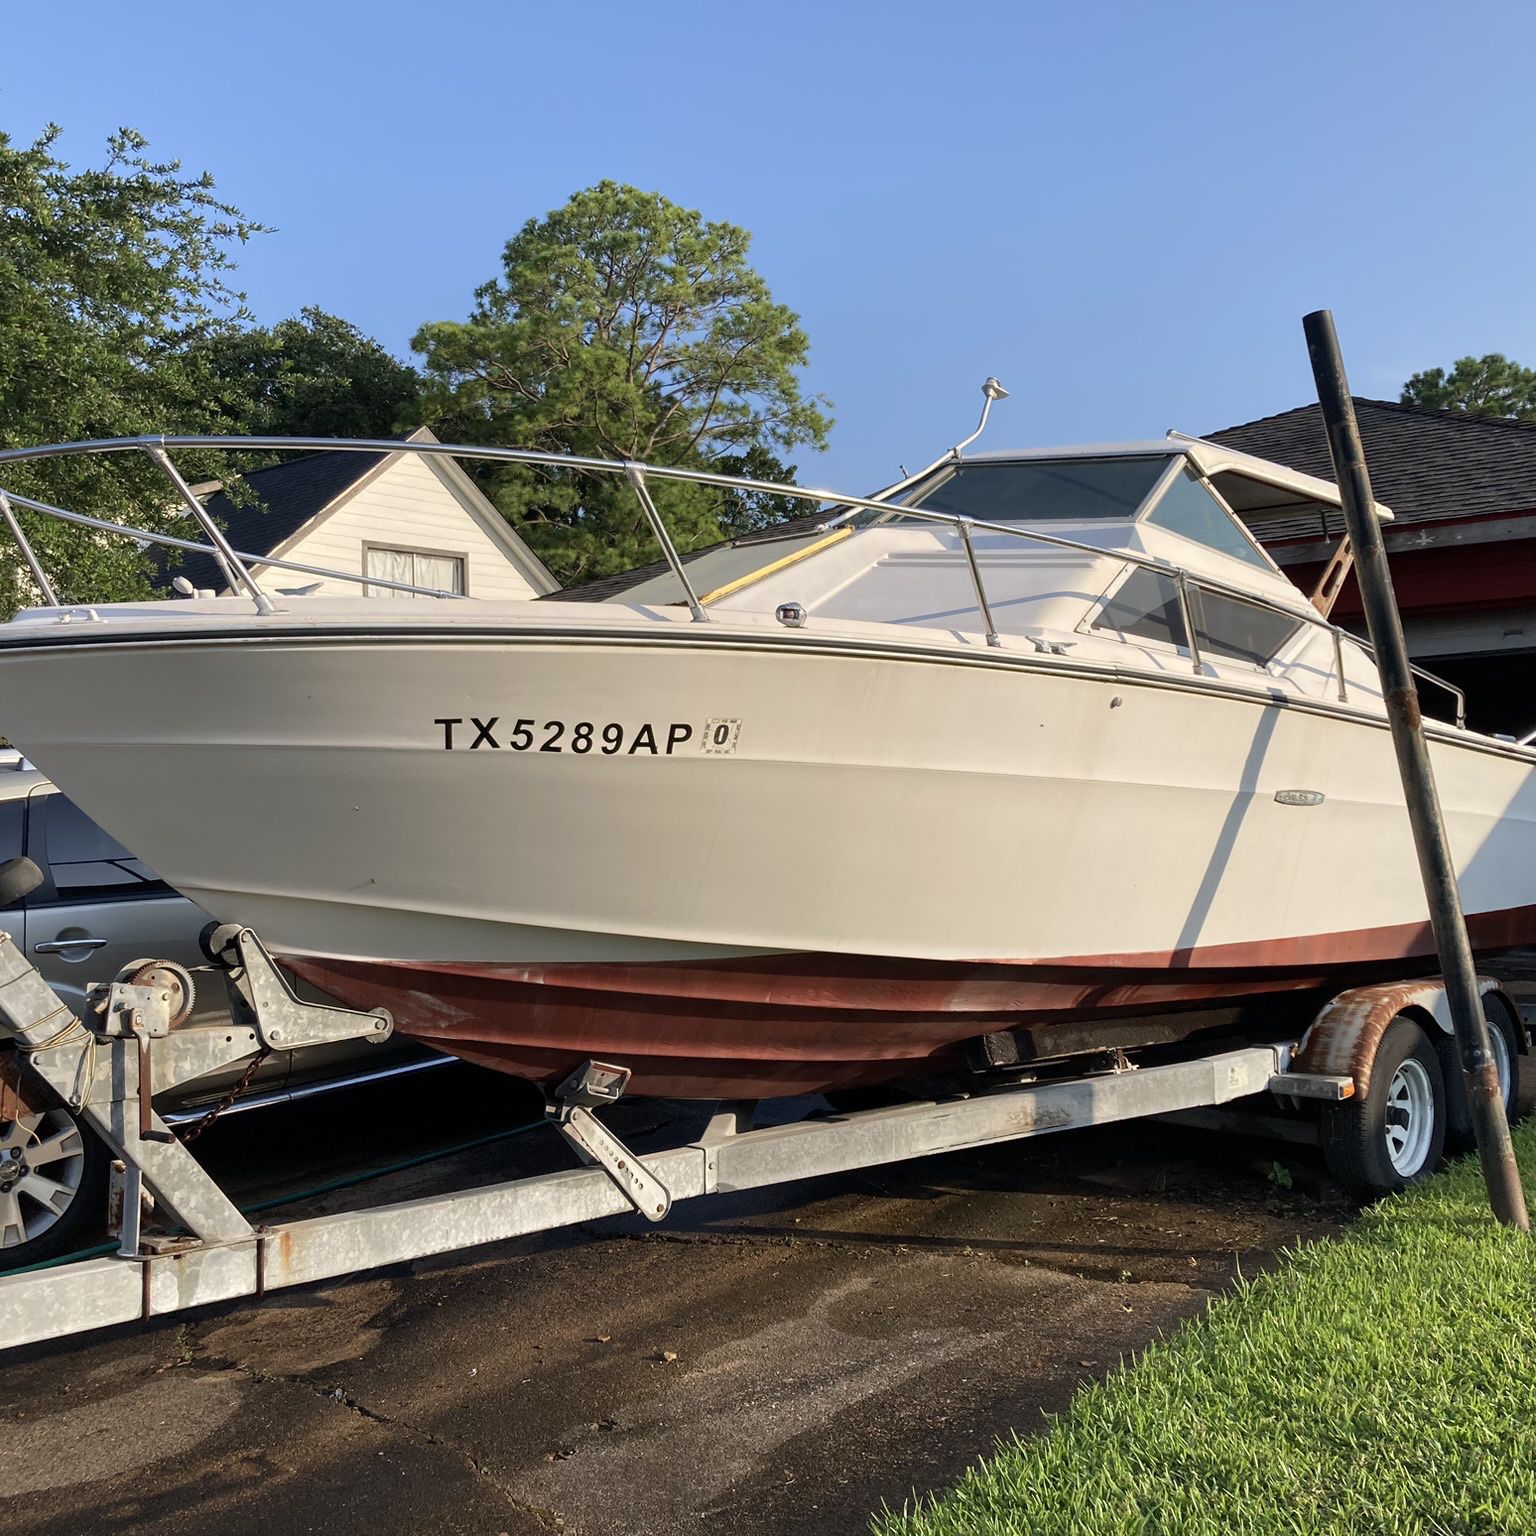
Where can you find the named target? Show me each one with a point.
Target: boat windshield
(1043, 490)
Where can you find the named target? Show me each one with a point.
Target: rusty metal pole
(1402, 700)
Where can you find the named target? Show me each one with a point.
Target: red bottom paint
(802, 1023)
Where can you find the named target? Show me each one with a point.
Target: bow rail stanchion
(1489, 1121)
(234, 569)
(39, 575)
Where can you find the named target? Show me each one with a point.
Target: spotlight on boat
(991, 391)
(791, 615)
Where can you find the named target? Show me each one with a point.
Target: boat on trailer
(1034, 754)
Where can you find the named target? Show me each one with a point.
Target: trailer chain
(229, 1098)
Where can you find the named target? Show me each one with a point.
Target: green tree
(1480, 386)
(315, 375)
(624, 326)
(113, 280)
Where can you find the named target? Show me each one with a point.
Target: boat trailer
(140, 1041)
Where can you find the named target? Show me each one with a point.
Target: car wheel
(53, 1187)
(1504, 1040)
(1393, 1135)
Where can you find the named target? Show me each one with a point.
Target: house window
(413, 567)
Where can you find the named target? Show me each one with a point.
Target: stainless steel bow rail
(139, 1040)
(236, 565)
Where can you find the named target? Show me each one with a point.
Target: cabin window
(435, 568)
(1188, 509)
(1227, 626)
(1043, 491)
(1145, 606)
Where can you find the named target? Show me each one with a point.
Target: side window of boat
(86, 864)
(1145, 606)
(1227, 626)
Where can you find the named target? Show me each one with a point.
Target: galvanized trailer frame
(134, 1040)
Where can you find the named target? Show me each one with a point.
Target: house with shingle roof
(1461, 543)
(415, 519)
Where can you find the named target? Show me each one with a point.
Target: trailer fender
(1342, 1040)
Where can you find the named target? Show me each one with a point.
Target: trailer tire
(84, 1167)
(1393, 1135)
(1503, 1036)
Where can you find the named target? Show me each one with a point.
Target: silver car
(100, 909)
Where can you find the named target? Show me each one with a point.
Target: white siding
(407, 506)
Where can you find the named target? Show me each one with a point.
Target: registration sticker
(720, 736)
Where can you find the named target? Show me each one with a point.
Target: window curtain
(443, 572)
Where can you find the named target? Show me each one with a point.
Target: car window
(12, 820)
(87, 864)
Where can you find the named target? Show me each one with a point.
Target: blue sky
(1121, 210)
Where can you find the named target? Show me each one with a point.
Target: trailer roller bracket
(262, 1000)
(591, 1084)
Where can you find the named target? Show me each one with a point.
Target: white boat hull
(890, 846)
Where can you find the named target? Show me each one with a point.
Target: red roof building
(1462, 541)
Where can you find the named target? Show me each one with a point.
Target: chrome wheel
(1410, 1117)
(1498, 1043)
(42, 1161)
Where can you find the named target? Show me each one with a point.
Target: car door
(99, 909)
(13, 813)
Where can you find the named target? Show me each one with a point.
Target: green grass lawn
(1382, 1382)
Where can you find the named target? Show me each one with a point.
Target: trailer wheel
(1504, 1040)
(53, 1187)
(1392, 1136)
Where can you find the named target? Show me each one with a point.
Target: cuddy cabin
(1137, 558)
(1107, 556)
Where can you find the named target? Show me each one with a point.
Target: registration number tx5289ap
(611, 738)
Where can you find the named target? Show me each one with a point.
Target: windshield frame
(1179, 463)
(1148, 510)
(940, 476)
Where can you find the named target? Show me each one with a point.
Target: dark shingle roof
(283, 498)
(1425, 464)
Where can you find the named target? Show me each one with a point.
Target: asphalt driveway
(784, 1361)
